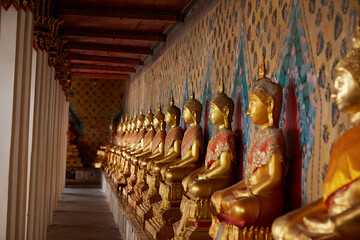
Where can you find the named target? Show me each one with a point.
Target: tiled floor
(83, 214)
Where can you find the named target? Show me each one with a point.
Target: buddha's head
(149, 119)
(265, 100)
(346, 89)
(221, 108)
(192, 109)
(140, 121)
(172, 114)
(159, 119)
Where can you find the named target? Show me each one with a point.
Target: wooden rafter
(108, 48)
(100, 59)
(121, 13)
(102, 76)
(95, 67)
(96, 33)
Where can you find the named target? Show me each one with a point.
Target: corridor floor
(83, 214)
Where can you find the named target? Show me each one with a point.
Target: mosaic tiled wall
(302, 42)
(93, 104)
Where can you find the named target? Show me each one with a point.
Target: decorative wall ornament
(17, 4)
(46, 37)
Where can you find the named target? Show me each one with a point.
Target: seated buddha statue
(171, 152)
(119, 133)
(138, 135)
(116, 152)
(167, 211)
(130, 139)
(215, 175)
(145, 148)
(258, 199)
(141, 189)
(172, 140)
(337, 214)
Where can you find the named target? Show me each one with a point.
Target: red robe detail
(148, 137)
(159, 137)
(174, 134)
(192, 134)
(268, 142)
(223, 141)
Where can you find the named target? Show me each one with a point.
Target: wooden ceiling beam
(96, 67)
(120, 13)
(95, 33)
(101, 76)
(101, 59)
(108, 48)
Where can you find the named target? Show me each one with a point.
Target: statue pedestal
(132, 179)
(195, 221)
(135, 199)
(165, 212)
(224, 230)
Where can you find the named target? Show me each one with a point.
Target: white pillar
(15, 71)
(8, 27)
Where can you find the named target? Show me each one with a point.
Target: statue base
(144, 210)
(195, 221)
(160, 226)
(222, 230)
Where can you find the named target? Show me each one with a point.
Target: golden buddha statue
(216, 174)
(171, 152)
(172, 140)
(119, 133)
(257, 200)
(337, 214)
(167, 211)
(147, 144)
(115, 157)
(138, 134)
(145, 123)
(141, 189)
(129, 140)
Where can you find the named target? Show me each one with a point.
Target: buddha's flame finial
(149, 110)
(221, 86)
(171, 98)
(126, 117)
(262, 69)
(141, 111)
(159, 107)
(191, 91)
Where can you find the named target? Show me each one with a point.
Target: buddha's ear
(174, 117)
(270, 104)
(194, 114)
(226, 111)
(270, 110)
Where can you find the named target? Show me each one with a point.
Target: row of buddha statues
(175, 195)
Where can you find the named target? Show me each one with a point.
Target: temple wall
(301, 40)
(93, 104)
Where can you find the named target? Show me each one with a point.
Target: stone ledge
(129, 226)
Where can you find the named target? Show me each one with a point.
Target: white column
(15, 72)
(8, 27)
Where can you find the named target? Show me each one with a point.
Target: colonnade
(33, 125)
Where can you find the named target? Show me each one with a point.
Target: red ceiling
(110, 38)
